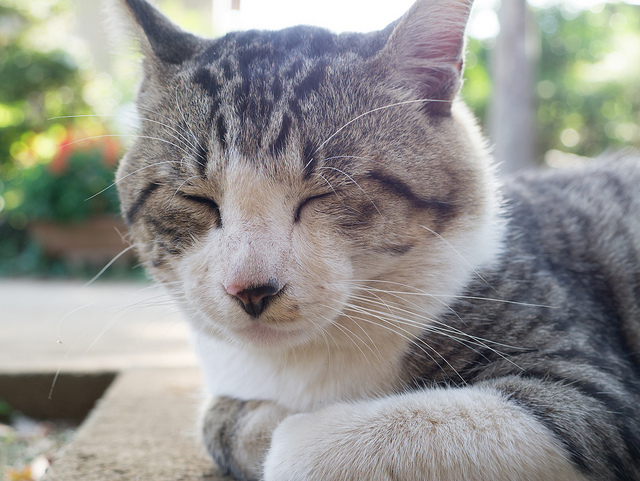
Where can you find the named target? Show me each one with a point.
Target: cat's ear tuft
(426, 50)
(159, 38)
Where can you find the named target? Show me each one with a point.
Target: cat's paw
(328, 445)
(238, 433)
(471, 434)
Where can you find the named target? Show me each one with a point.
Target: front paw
(238, 433)
(329, 445)
(471, 434)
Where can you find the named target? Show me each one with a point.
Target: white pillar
(511, 111)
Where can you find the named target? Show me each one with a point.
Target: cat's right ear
(425, 52)
(160, 40)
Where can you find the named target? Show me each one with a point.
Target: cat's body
(565, 348)
(330, 223)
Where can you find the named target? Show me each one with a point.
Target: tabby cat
(366, 302)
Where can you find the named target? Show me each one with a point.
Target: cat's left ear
(426, 51)
(159, 38)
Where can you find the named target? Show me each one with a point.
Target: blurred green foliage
(44, 173)
(74, 186)
(476, 89)
(587, 95)
(6, 411)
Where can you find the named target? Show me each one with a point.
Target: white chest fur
(301, 380)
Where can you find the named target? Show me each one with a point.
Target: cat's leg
(237, 434)
(470, 434)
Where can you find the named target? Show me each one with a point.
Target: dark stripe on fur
(206, 79)
(576, 451)
(276, 89)
(615, 460)
(202, 158)
(308, 160)
(134, 209)
(280, 143)
(227, 69)
(397, 249)
(158, 261)
(173, 240)
(293, 70)
(221, 130)
(312, 81)
(170, 249)
(444, 209)
(296, 110)
(220, 436)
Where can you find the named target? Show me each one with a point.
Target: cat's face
(280, 177)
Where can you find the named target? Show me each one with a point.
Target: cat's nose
(254, 298)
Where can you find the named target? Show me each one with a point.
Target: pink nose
(254, 298)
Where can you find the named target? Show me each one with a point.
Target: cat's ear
(159, 38)
(426, 51)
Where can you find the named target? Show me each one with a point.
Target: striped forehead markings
(266, 81)
(255, 99)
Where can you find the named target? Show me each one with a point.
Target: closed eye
(205, 202)
(307, 201)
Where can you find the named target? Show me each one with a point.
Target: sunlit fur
(414, 330)
(315, 258)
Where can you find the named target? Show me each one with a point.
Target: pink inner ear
(428, 44)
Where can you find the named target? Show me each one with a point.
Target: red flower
(111, 151)
(60, 161)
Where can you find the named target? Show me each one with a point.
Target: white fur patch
(301, 380)
(470, 434)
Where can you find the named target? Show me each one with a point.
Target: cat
(367, 301)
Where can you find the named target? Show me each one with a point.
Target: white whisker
(437, 326)
(475, 271)
(356, 183)
(132, 173)
(405, 334)
(346, 332)
(178, 136)
(187, 124)
(132, 135)
(406, 102)
(344, 328)
(122, 252)
(419, 292)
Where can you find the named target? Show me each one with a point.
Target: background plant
(43, 109)
(586, 94)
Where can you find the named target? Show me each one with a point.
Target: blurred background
(553, 83)
(546, 78)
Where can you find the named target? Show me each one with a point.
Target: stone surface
(142, 429)
(145, 425)
(48, 326)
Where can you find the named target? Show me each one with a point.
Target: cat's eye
(308, 201)
(205, 202)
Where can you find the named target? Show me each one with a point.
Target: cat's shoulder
(619, 168)
(601, 188)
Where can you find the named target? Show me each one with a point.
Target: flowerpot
(95, 241)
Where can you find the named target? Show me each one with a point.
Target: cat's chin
(259, 335)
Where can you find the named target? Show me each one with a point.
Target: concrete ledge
(144, 428)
